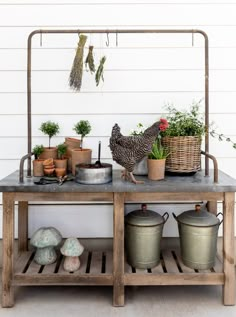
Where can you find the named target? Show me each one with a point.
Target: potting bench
(110, 268)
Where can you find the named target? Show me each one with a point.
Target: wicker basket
(185, 154)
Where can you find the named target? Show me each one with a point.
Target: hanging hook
(107, 42)
(116, 38)
(192, 39)
(41, 38)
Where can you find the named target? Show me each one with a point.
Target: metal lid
(198, 218)
(144, 217)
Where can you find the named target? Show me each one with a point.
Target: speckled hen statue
(129, 150)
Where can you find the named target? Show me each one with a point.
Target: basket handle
(220, 213)
(167, 216)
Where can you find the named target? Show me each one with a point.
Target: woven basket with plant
(182, 139)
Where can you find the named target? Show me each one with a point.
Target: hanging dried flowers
(100, 71)
(76, 74)
(89, 61)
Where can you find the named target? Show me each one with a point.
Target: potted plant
(51, 129)
(61, 161)
(156, 161)
(38, 163)
(140, 167)
(183, 139)
(81, 155)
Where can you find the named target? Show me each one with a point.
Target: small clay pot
(156, 169)
(80, 156)
(49, 153)
(61, 163)
(48, 171)
(38, 168)
(72, 143)
(48, 162)
(60, 172)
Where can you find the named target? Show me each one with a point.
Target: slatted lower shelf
(96, 269)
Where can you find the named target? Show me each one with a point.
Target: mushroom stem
(44, 256)
(71, 263)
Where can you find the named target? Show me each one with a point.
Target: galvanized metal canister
(198, 231)
(143, 232)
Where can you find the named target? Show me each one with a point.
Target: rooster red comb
(163, 124)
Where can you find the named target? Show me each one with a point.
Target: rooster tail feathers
(115, 134)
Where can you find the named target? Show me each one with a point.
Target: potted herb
(140, 167)
(38, 163)
(156, 161)
(50, 129)
(183, 139)
(81, 155)
(61, 161)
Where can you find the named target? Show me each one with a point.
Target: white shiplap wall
(142, 74)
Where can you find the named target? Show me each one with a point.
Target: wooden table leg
(22, 226)
(8, 247)
(118, 250)
(228, 249)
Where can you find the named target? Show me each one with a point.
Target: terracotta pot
(49, 153)
(38, 167)
(72, 143)
(48, 171)
(156, 169)
(60, 172)
(61, 163)
(80, 156)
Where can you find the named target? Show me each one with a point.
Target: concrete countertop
(196, 183)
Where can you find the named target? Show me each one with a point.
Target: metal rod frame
(123, 31)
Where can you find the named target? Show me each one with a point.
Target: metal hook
(107, 42)
(116, 39)
(41, 38)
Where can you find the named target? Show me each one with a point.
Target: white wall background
(142, 74)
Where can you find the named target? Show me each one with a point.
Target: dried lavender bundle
(76, 74)
(89, 62)
(100, 71)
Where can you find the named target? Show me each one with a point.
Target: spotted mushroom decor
(45, 239)
(72, 249)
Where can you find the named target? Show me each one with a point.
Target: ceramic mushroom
(72, 249)
(45, 239)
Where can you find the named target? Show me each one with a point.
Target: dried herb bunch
(89, 61)
(100, 71)
(76, 73)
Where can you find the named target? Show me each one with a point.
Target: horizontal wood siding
(142, 74)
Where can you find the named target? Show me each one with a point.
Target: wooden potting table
(110, 268)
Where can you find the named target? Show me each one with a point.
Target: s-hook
(107, 42)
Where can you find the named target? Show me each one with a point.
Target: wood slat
(49, 269)
(169, 262)
(33, 268)
(96, 263)
(157, 269)
(174, 279)
(22, 261)
(109, 259)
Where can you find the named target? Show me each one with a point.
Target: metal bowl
(93, 174)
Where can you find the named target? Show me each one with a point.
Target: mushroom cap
(72, 247)
(45, 237)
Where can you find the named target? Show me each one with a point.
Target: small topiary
(49, 128)
(82, 128)
(37, 150)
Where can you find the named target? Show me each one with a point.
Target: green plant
(100, 71)
(158, 152)
(82, 128)
(49, 128)
(61, 150)
(37, 150)
(184, 123)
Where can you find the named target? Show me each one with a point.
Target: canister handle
(167, 216)
(220, 213)
(174, 216)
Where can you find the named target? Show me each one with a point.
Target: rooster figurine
(129, 150)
